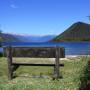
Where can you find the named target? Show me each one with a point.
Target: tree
(0, 37)
(88, 18)
(0, 31)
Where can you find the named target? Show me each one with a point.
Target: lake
(71, 48)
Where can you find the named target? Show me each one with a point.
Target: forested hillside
(77, 32)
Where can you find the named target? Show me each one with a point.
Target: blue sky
(41, 17)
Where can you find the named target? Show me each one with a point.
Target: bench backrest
(35, 52)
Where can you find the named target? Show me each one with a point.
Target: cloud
(13, 6)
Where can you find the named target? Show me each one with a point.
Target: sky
(42, 17)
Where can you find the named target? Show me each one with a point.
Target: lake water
(71, 48)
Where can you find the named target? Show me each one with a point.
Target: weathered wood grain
(9, 60)
(36, 52)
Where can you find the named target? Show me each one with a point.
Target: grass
(73, 75)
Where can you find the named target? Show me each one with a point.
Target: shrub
(1, 54)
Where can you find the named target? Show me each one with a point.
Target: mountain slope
(8, 37)
(77, 32)
(31, 38)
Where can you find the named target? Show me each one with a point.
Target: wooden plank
(9, 59)
(31, 64)
(36, 52)
(61, 52)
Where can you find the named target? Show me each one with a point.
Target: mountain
(7, 37)
(79, 31)
(33, 38)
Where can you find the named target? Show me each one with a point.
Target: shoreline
(75, 56)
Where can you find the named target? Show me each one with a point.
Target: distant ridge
(79, 31)
(34, 38)
(8, 37)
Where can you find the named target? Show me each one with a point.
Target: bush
(1, 54)
(85, 79)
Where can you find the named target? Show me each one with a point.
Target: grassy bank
(73, 75)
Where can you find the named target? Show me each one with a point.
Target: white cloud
(13, 6)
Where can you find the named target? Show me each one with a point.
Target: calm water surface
(71, 48)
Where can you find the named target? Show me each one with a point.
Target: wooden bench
(33, 52)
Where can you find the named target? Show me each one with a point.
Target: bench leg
(9, 59)
(56, 67)
(10, 71)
